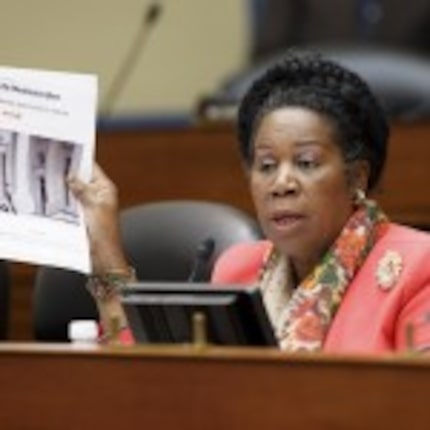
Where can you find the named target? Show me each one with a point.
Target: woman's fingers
(99, 191)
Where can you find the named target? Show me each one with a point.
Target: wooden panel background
(202, 162)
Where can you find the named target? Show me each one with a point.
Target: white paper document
(47, 132)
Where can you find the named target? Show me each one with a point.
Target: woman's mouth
(286, 220)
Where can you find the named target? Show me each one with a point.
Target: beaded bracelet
(103, 286)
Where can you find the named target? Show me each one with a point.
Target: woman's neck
(301, 268)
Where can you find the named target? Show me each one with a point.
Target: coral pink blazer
(372, 317)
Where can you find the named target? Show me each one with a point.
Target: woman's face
(299, 184)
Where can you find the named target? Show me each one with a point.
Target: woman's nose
(285, 181)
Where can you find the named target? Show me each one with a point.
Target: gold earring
(360, 197)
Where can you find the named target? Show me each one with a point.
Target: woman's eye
(266, 165)
(307, 163)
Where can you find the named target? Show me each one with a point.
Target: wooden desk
(178, 388)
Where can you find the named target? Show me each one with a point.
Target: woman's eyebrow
(310, 143)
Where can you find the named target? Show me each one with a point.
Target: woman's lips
(285, 219)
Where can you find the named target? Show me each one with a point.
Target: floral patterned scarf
(302, 316)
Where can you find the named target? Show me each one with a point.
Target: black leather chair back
(401, 80)
(161, 241)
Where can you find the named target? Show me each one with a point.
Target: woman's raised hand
(99, 199)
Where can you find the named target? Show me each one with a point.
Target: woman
(335, 274)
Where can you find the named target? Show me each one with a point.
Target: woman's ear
(360, 175)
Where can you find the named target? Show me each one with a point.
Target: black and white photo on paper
(33, 176)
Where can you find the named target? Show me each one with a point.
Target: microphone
(204, 252)
(149, 19)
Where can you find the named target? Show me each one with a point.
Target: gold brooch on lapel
(389, 269)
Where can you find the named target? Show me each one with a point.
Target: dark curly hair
(306, 79)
